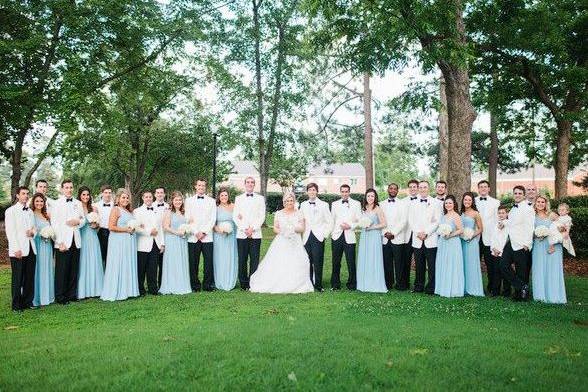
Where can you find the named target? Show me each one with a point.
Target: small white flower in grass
(93, 217)
(47, 233)
(468, 233)
(133, 224)
(364, 222)
(226, 227)
(444, 229)
(541, 232)
(292, 377)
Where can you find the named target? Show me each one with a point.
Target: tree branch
(40, 159)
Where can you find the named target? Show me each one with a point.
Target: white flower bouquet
(288, 230)
(468, 233)
(133, 224)
(364, 222)
(542, 232)
(47, 233)
(444, 230)
(226, 227)
(93, 217)
(185, 229)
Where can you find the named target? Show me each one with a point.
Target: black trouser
(425, 262)
(66, 274)
(194, 251)
(23, 280)
(103, 239)
(404, 284)
(520, 276)
(393, 264)
(338, 247)
(316, 255)
(159, 268)
(247, 248)
(492, 269)
(147, 267)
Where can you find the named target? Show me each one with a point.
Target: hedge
(579, 229)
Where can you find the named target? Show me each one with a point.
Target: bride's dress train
(285, 267)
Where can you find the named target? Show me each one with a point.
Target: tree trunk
(16, 162)
(367, 113)
(493, 156)
(562, 157)
(443, 132)
(263, 177)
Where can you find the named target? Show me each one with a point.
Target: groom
(318, 225)
(248, 215)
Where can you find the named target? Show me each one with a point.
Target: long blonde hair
(547, 204)
(119, 193)
(171, 202)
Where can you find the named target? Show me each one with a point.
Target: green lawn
(321, 341)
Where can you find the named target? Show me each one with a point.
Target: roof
(541, 172)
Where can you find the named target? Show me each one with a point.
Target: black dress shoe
(525, 293)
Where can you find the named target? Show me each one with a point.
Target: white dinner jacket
(63, 211)
(161, 207)
(424, 217)
(202, 213)
(150, 219)
(104, 212)
(521, 226)
(349, 213)
(317, 219)
(18, 222)
(488, 210)
(498, 236)
(249, 211)
(396, 213)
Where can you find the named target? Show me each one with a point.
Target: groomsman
(531, 193)
(394, 236)
(441, 191)
(66, 217)
(201, 214)
(345, 213)
(318, 225)
(104, 207)
(488, 208)
(413, 189)
(521, 225)
(41, 186)
(249, 216)
(150, 244)
(21, 250)
(161, 206)
(424, 216)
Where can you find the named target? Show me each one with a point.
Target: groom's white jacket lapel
(249, 211)
(317, 219)
(62, 212)
(349, 213)
(18, 221)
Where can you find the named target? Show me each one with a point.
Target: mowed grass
(322, 341)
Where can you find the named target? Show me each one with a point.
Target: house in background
(541, 176)
(328, 177)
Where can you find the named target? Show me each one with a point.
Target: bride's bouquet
(542, 232)
(288, 230)
(364, 222)
(468, 233)
(226, 227)
(93, 218)
(444, 230)
(47, 233)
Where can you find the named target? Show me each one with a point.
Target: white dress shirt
(317, 219)
(161, 207)
(201, 212)
(424, 216)
(488, 209)
(498, 236)
(18, 219)
(62, 212)
(521, 225)
(396, 212)
(104, 210)
(249, 211)
(349, 213)
(151, 219)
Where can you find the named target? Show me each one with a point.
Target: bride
(285, 267)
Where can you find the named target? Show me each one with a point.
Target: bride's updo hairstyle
(286, 196)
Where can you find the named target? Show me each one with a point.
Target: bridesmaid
(44, 270)
(91, 274)
(225, 244)
(370, 265)
(120, 277)
(471, 248)
(449, 277)
(175, 277)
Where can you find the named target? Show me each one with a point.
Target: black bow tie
(149, 208)
(345, 201)
(530, 203)
(25, 208)
(516, 206)
(311, 202)
(105, 205)
(391, 200)
(160, 205)
(441, 198)
(69, 200)
(250, 195)
(424, 200)
(413, 198)
(200, 197)
(483, 198)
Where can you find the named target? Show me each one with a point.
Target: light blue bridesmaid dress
(175, 277)
(44, 269)
(120, 277)
(225, 253)
(449, 276)
(547, 269)
(370, 262)
(91, 273)
(471, 260)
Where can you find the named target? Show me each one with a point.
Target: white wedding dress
(285, 267)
